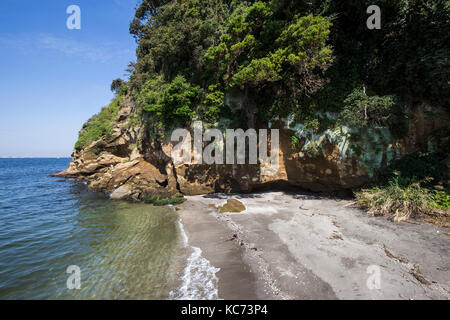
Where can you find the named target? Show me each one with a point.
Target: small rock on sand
(232, 205)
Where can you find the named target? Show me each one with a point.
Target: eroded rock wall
(132, 165)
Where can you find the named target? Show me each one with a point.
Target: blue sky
(53, 79)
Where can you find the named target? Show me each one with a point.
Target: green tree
(116, 84)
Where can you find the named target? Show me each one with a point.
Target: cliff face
(130, 164)
(341, 99)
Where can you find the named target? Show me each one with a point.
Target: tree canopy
(281, 57)
(254, 61)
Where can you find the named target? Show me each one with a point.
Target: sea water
(123, 250)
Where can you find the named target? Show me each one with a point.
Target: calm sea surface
(123, 250)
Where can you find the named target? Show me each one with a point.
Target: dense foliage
(100, 125)
(257, 60)
(253, 61)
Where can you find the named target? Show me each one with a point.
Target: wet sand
(301, 246)
(204, 230)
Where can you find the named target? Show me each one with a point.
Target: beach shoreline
(303, 246)
(236, 277)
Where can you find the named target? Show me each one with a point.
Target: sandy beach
(302, 246)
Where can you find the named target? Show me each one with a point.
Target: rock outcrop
(131, 165)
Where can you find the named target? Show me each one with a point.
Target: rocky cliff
(133, 165)
(347, 100)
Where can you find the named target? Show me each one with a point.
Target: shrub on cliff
(116, 84)
(362, 110)
(100, 125)
(169, 104)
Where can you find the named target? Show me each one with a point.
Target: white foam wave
(199, 280)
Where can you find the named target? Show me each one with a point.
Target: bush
(441, 199)
(395, 201)
(409, 187)
(294, 142)
(169, 103)
(98, 148)
(361, 110)
(213, 104)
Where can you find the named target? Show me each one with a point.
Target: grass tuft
(412, 187)
(395, 201)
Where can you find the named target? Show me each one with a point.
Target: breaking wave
(199, 280)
